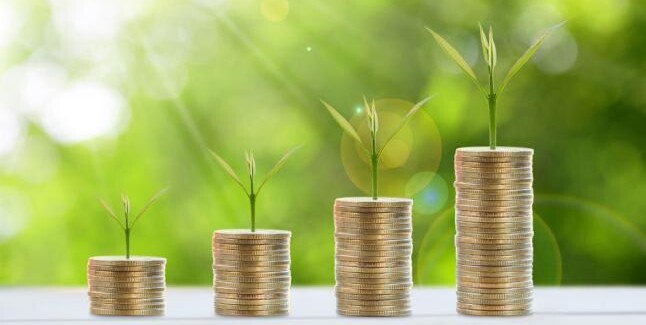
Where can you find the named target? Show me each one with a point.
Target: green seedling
(490, 56)
(128, 223)
(373, 150)
(252, 192)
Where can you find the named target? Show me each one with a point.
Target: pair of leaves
(489, 52)
(251, 164)
(372, 113)
(126, 209)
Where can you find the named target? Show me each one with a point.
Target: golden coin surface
(251, 302)
(245, 248)
(231, 256)
(228, 262)
(268, 296)
(249, 291)
(527, 294)
(371, 291)
(482, 279)
(113, 312)
(367, 271)
(368, 210)
(253, 268)
(246, 234)
(391, 313)
(361, 254)
(370, 202)
(142, 280)
(345, 235)
(473, 312)
(488, 285)
(233, 312)
(220, 305)
(404, 303)
(371, 296)
(494, 307)
(123, 261)
(507, 291)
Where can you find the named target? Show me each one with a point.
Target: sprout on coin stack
(493, 206)
(373, 236)
(251, 268)
(127, 285)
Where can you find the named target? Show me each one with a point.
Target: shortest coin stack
(123, 286)
(373, 256)
(251, 275)
(494, 230)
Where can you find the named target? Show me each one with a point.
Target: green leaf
(251, 163)
(111, 213)
(345, 125)
(277, 167)
(126, 204)
(456, 57)
(529, 53)
(148, 204)
(492, 50)
(229, 170)
(485, 44)
(405, 121)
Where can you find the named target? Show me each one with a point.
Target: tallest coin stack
(494, 230)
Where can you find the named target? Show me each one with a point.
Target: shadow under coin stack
(127, 287)
(373, 256)
(251, 275)
(494, 230)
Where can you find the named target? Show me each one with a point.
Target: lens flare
(416, 147)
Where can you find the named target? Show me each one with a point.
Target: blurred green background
(103, 97)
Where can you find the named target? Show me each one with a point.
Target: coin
(371, 296)
(389, 313)
(236, 312)
(115, 312)
(369, 202)
(251, 302)
(401, 303)
(527, 294)
(474, 312)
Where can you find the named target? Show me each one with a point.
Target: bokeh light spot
(430, 192)
(84, 111)
(275, 10)
(11, 131)
(13, 213)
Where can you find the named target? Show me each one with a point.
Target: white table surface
(316, 305)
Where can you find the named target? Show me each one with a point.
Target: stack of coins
(127, 287)
(251, 275)
(493, 212)
(373, 256)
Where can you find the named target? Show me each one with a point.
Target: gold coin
(246, 248)
(363, 264)
(494, 275)
(473, 312)
(354, 281)
(373, 248)
(127, 301)
(488, 285)
(370, 297)
(492, 230)
(227, 262)
(276, 307)
(221, 256)
(494, 307)
(471, 216)
(484, 268)
(371, 291)
(268, 296)
(405, 303)
(493, 225)
(496, 236)
(372, 259)
(527, 294)
(374, 232)
(370, 202)
(345, 235)
(490, 262)
(255, 279)
(249, 291)
(273, 274)
(246, 268)
(360, 242)
(494, 247)
(390, 313)
(491, 165)
(142, 280)
(250, 252)
(113, 284)
(369, 210)
(508, 291)
(123, 261)
(376, 286)
(233, 312)
(460, 168)
(119, 295)
(113, 312)
(461, 207)
(143, 290)
(512, 204)
(500, 151)
(494, 258)
(359, 308)
(493, 161)
(246, 234)
(489, 241)
(129, 306)
(252, 302)
(126, 275)
(372, 218)
(372, 271)
(373, 226)
(519, 185)
(482, 279)
(506, 252)
(361, 254)
(252, 285)
(125, 269)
